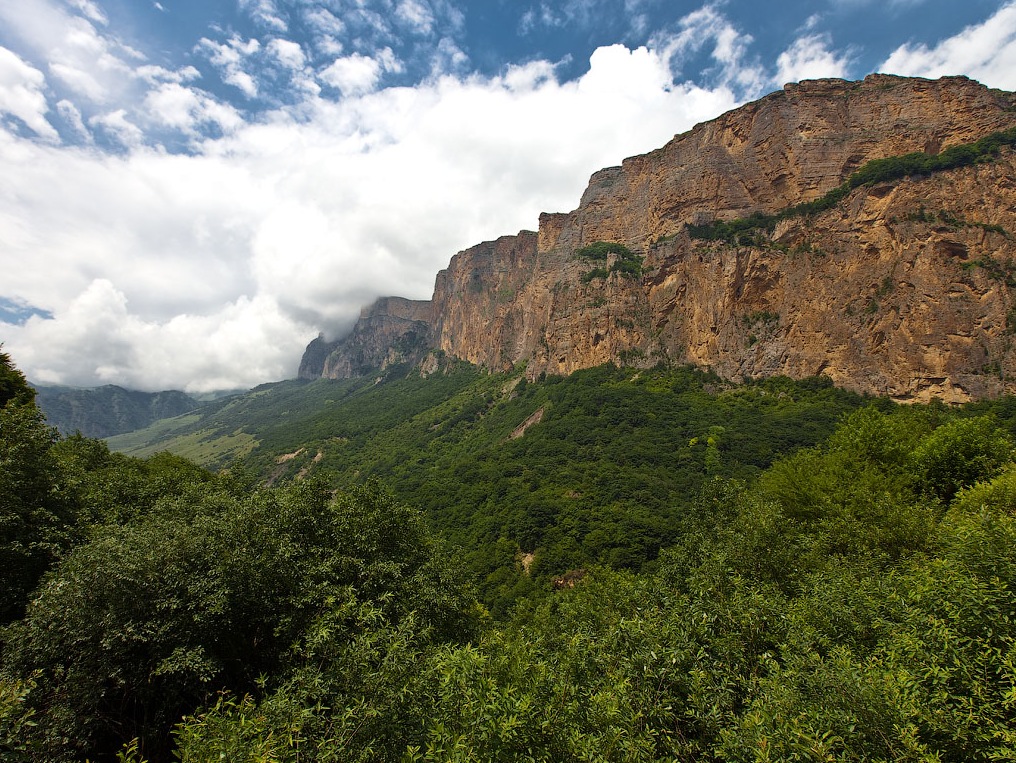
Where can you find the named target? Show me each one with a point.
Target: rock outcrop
(904, 288)
(392, 330)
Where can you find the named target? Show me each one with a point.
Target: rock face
(904, 288)
(392, 330)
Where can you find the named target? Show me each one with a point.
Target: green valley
(595, 468)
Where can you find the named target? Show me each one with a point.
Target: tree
(209, 591)
(37, 514)
(14, 388)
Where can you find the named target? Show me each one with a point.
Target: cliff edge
(902, 288)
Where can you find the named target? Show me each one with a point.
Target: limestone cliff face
(392, 330)
(902, 289)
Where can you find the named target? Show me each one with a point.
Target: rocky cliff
(902, 288)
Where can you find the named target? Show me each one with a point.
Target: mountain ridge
(108, 410)
(901, 289)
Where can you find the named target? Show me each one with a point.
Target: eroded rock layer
(904, 288)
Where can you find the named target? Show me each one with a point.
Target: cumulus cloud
(187, 109)
(324, 21)
(287, 53)
(986, 52)
(357, 74)
(72, 117)
(416, 15)
(230, 58)
(82, 59)
(90, 11)
(810, 58)
(97, 338)
(117, 126)
(155, 75)
(266, 13)
(21, 94)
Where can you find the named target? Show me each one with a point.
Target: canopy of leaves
(209, 590)
(606, 477)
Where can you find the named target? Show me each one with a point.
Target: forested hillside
(851, 600)
(599, 467)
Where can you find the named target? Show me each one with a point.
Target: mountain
(870, 235)
(109, 410)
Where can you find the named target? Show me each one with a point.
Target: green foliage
(747, 231)
(626, 262)
(208, 591)
(599, 250)
(960, 453)
(628, 267)
(14, 388)
(852, 599)
(606, 477)
(38, 516)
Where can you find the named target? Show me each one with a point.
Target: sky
(192, 190)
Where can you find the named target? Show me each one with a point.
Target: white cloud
(986, 52)
(448, 58)
(185, 109)
(99, 340)
(810, 58)
(79, 56)
(729, 49)
(352, 75)
(324, 21)
(155, 75)
(288, 53)
(229, 58)
(90, 10)
(416, 15)
(73, 118)
(266, 13)
(120, 128)
(22, 96)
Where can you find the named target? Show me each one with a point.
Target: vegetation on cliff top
(741, 230)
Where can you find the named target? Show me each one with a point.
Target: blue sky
(191, 190)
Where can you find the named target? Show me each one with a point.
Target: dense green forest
(843, 591)
(606, 477)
